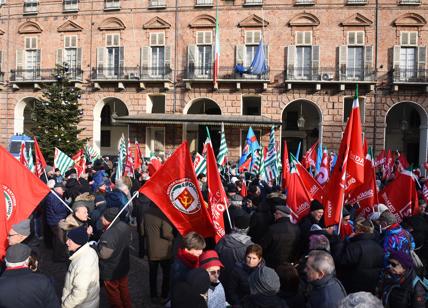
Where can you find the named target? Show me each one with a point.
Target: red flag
(175, 190)
(388, 166)
(3, 225)
(400, 196)
(349, 169)
(216, 195)
(285, 166)
(310, 157)
(403, 161)
(22, 190)
(243, 191)
(425, 191)
(312, 186)
(245, 166)
(380, 159)
(40, 160)
(153, 166)
(137, 156)
(129, 164)
(298, 197)
(22, 156)
(324, 172)
(79, 162)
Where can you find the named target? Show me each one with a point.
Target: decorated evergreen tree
(56, 116)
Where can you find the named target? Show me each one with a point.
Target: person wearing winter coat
(210, 261)
(192, 291)
(22, 288)
(238, 286)
(76, 219)
(282, 241)
(264, 286)
(360, 261)
(81, 286)
(314, 217)
(117, 198)
(326, 291)
(399, 285)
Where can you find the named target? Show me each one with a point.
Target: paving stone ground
(138, 276)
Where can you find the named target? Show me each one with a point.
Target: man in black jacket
(20, 287)
(281, 242)
(113, 251)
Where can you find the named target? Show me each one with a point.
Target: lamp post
(301, 121)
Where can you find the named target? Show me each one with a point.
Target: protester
(22, 288)
(82, 286)
(262, 217)
(117, 198)
(360, 300)
(192, 291)
(290, 289)
(79, 217)
(113, 252)
(210, 261)
(314, 217)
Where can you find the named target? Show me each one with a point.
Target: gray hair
(17, 264)
(322, 262)
(360, 300)
(319, 242)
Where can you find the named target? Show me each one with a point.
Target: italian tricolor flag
(217, 47)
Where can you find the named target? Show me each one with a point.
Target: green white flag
(62, 161)
(223, 151)
(200, 164)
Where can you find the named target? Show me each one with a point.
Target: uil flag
(349, 170)
(251, 145)
(40, 160)
(223, 151)
(62, 161)
(216, 195)
(324, 171)
(21, 192)
(298, 197)
(129, 162)
(200, 164)
(23, 154)
(138, 162)
(400, 196)
(285, 166)
(310, 157)
(174, 189)
(246, 166)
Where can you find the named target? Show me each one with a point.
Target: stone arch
(410, 19)
(20, 114)
(304, 19)
(116, 105)
(29, 27)
(397, 134)
(112, 23)
(312, 129)
(193, 102)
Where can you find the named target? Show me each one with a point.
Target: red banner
(298, 197)
(312, 186)
(285, 166)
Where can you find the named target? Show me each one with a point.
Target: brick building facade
(145, 69)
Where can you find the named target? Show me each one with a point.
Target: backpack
(424, 283)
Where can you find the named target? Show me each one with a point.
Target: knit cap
(78, 235)
(264, 280)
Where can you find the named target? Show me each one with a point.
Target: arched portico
(22, 115)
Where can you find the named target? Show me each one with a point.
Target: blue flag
(251, 146)
(298, 151)
(258, 66)
(319, 158)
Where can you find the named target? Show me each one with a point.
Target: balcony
(356, 74)
(329, 74)
(136, 74)
(42, 75)
(409, 2)
(157, 4)
(410, 76)
(224, 74)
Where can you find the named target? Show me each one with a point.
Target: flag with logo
(312, 186)
(223, 151)
(246, 166)
(62, 161)
(138, 161)
(310, 157)
(251, 145)
(257, 161)
(349, 171)
(400, 196)
(271, 159)
(20, 190)
(175, 190)
(217, 199)
(285, 166)
(129, 162)
(324, 170)
(380, 158)
(388, 166)
(200, 164)
(40, 160)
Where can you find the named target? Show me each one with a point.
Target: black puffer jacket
(113, 250)
(263, 301)
(360, 263)
(239, 285)
(326, 293)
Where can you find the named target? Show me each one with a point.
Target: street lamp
(301, 121)
(404, 124)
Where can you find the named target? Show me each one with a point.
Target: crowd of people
(265, 259)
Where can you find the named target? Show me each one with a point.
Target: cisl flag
(400, 196)
(174, 189)
(216, 194)
(22, 192)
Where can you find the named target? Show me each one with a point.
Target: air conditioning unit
(327, 76)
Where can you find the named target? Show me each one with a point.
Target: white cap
(234, 179)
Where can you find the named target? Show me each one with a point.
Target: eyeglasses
(217, 272)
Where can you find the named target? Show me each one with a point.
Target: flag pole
(227, 212)
(62, 201)
(123, 208)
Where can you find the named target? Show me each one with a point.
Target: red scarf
(188, 259)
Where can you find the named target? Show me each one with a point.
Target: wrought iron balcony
(410, 75)
(356, 74)
(34, 75)
(224, 73)
(326, 74)
(132, 73)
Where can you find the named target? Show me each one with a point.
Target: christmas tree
(57, 115)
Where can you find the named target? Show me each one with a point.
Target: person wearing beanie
(264, 287)
(400, 286)
(346, 227)
(20, 287)
(396, 237)
(81, 286)
(235, 206)
(210, 261)
(192, 291)
(281, 242)
(314, 217)
(113, 253)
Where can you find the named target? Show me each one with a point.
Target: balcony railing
(33, 75)
(329, 74)
(410, 75)
(132, 73)
(224, 73)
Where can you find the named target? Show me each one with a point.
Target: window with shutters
(408, 56)
(111, 4)
(347, 108)
(304, 55)
(355, 58)
(31, 58)
(204, 56)
(155, 141)
(157, 51)
(114, 56)
(251, 105)
(71, 56)
(252, 40)
(156, 104)
(408, 38)
(31, 6)
(71, 5)
(204, 3)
